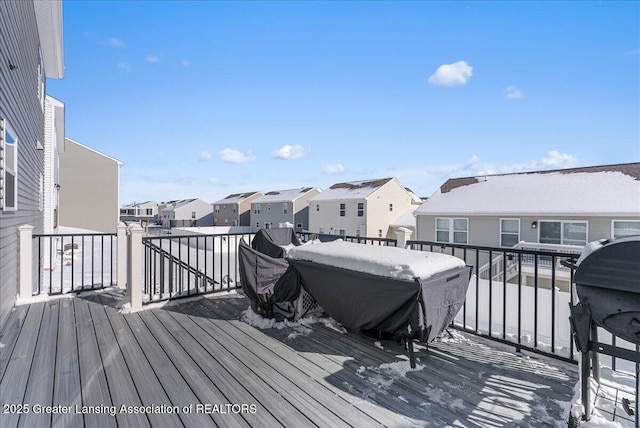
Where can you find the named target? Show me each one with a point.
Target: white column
(26, 262)
(121, 257)
(402, 235)
(134, 268)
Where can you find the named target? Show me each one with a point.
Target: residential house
(234, 210)
(281, 207)
(360, 208)
(140, 211)
(31, 50)
(53, 148)
(186, 213)
(559, 210)
(89, 188)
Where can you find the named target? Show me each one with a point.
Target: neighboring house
(234, 210)
(142, 212)
(283, 207)
(53, 148)
(31, 50)
(360, 208)
(89, 189)
(186, 213)
(557, 210)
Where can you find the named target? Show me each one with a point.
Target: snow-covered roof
(405, 220)
(603, 190)
(352, 190)
(283, 195)
(235, 198)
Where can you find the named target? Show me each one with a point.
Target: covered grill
(607, 281)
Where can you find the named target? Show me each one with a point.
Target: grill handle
(569, 263)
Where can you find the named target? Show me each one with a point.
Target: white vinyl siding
(452, 230)
(625, 228)
(509, 232)
(562, 232)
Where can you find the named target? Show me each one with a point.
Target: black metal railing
(190, 265)
(75, 262)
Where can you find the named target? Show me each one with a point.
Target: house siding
(203, 210)
(88, 189)
(485, 230)
(21, 108)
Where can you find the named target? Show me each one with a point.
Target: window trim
(4, 129)
(451, 230)
(613, 222)
(510, 233)
(285, 208)
(360, 209)
(257, 208)
(562, 222)
(342, 208)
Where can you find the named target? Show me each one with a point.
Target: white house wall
(379, 216)
(203, 210)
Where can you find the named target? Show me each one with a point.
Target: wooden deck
(197, 365)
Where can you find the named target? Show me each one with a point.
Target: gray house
(89, 188)
(283, 206)
(31, 50)
(234, 210)
(186, 213)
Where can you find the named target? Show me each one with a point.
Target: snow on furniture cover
(405, 293)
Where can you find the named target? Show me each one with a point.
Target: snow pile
(386, 374)
(300, 328)
(388, 262)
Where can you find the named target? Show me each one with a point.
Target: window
(317, 207)
(321, 230)
(8, 168)
(226, 221)
(343, 210)
(342, 232)
(455, 230)
(360, 209)
(216, 209)
(625, 228)
(256, 208)
(257, 225)
(358, 232)
(379, 233)
(149, 211)
(299, 226)
(267, 225)
(390, 207)
(268, 207)
(509, 232)
(563, 232)
(193, 214)
(285, 208)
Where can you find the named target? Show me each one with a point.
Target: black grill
(608, 280)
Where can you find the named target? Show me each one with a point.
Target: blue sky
(203, 99)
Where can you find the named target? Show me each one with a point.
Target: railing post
(121, 256)
(134, 267)
(26, 262)
(403, 234)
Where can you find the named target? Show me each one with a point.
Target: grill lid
(615, 264)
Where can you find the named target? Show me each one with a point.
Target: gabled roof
(595, 190)
(355, 190)
(288, 195)
(236, 198)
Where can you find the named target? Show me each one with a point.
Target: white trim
(539, 228)
(451, 230)
(5, 128)
(500, 235)
(632, 220)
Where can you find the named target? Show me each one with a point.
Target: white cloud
(152, 58)
(113, 42)
(184, 63)
(333, 169)
(513, 93)
(290, 152)
(124, 66)
(557, 160)
(205, 156)
(455, 74)
(236, 156)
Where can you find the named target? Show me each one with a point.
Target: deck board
(83, 351)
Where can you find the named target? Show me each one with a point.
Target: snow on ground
(388, 262)
(300, 327)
